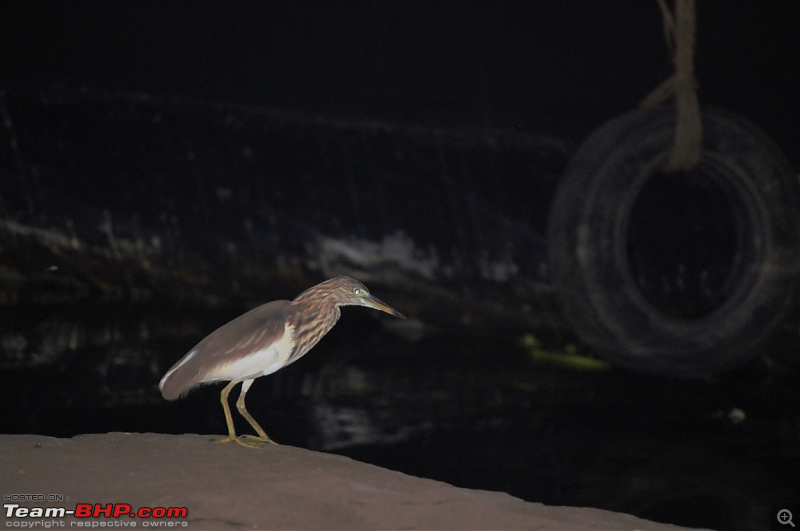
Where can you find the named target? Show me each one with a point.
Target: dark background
(667, 449)
(561, 67)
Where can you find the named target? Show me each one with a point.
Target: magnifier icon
(785, 517)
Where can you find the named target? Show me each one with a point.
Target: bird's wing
(250, 345)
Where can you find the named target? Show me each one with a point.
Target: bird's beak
(374, 302)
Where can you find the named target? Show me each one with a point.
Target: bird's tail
(180, 379)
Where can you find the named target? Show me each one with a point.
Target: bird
(263, 341)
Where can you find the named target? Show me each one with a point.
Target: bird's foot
(263, 439)
(257, 444)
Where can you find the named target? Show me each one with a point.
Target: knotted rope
(679, 32)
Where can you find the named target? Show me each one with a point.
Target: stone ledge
(279, 487)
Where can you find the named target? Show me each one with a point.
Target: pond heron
(261, 342)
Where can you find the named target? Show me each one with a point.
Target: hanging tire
(683, 273)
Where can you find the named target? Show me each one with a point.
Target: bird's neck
(311, 321)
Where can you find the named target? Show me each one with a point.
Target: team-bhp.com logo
(87, 510)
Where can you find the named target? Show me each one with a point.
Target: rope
(679, 32)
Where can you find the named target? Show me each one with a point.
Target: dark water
(474, 411)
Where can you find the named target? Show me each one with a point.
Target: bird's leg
(228, 419)
(262, 435)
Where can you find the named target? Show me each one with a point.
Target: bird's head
(346, 291)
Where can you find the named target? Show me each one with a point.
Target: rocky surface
(231, 487)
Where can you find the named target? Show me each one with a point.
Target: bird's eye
(357, 291)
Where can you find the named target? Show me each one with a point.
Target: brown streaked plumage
(262, 341)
